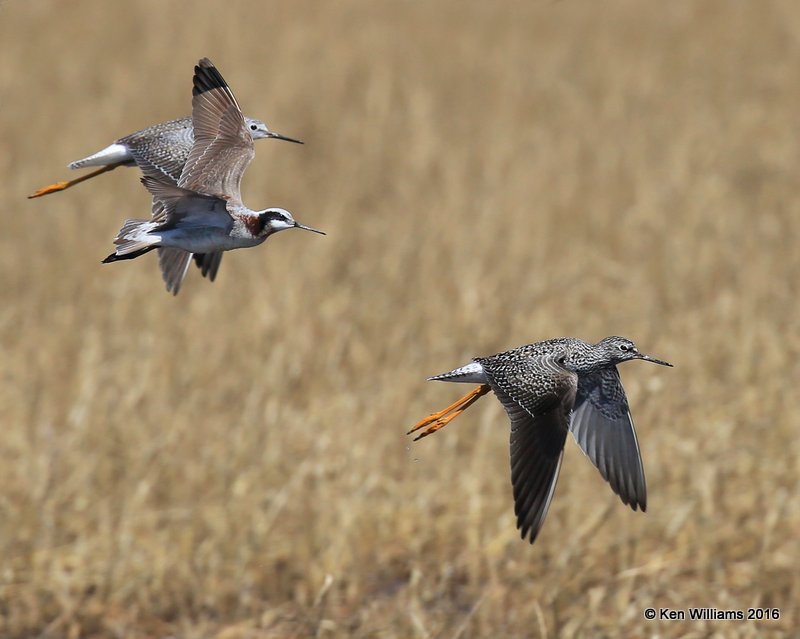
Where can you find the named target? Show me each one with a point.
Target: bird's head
(621, 349)
(274, 220)
(259, 131)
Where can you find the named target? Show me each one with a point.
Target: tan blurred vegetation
(232, 462)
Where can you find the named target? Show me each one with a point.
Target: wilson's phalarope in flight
(203, 214)
(548, 388)
(162, 147)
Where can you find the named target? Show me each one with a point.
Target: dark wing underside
(208, 263)
(602, 426)
(175, 206)
(538, 432)
(537, 447)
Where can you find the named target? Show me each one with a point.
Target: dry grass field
(232, 463)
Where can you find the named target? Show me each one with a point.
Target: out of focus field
(232, 462)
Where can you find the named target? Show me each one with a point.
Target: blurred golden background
(232, 462)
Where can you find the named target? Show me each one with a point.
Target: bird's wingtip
(206, 77)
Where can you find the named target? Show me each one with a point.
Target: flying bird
(203, 213)
(162, 147)
(548, 388)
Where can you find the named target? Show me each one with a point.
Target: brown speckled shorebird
(163, 147)
(203, 214)
(548, 388)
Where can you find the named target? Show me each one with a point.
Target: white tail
(112, 154)
(470, 374)
(133, 236)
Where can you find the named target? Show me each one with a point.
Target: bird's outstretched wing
(175, 206)
(208, 263)
(223, 146)
(539, 424)
(602, 425)
(174, 263)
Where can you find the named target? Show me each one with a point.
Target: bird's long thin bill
(278, 136)
(308, 228)
(660, 362)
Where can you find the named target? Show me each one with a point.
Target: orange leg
(438, 420)
(60, 186)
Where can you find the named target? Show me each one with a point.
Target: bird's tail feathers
(115, 257)
(112, 154)
(472, 373)
(134, 237)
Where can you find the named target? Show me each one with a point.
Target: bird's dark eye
(253, 127)
(624, 347)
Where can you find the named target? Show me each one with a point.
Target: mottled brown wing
(602, 426)
(162, 149)
(223, 146)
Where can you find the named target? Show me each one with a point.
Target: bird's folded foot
(60, 186)
(440, 419)
(52, 188)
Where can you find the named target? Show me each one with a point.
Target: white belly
(203, 240)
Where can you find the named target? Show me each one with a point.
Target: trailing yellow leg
(60, 186)
(445, 416)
